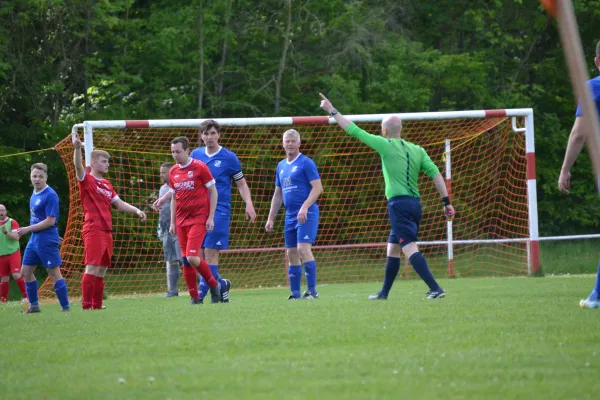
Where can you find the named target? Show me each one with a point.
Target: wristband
(333, 112)
(446, 200)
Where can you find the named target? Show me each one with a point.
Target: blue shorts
(47, 255)
(295, 232)
(405, 215)
(219, 237)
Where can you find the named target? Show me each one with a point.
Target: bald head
(391, 126)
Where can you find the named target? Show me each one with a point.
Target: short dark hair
(167, 165)
(185, 143)
(208, 125)
(41, 166)
(598, 50)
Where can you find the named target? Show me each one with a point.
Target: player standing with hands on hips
(401, 163)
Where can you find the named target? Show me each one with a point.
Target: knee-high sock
(203, 287)
(21, 285)
(98, 293)
(391, 271)
(4, 288)
(420, 265)
(189, 274)
(32, 292)
(295, 277)
(87, 291)
(310, 271)
(204, 270)
(62, 293)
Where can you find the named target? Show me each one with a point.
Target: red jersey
(97, 196)
(190, 183)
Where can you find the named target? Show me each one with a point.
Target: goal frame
(526, 127)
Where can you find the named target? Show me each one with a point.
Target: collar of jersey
(46, 187)
(291, 162)
(213, 154)
(186, 165)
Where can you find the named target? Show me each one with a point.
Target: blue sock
(391, 270)
(202, 289)
(185, 262)
(32, 292)
(420, 265)
(60, 288)
(215, 271)
(596, 292)
(295, 276)
(310, 271)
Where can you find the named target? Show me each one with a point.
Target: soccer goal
(487, 158)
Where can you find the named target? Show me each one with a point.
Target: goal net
(486, 157)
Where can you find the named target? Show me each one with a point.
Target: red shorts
(10, 263)
(98, 248)
(190, 239)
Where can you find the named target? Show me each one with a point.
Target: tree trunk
(201, 66)
(286, 46)
(227, 28)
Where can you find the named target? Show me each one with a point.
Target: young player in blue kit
(298, 186)
(42, 248)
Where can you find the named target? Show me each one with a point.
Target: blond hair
(292, 132)
(99, 153)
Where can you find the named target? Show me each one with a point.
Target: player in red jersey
(10, 256)
(97, 196)
(192, 215)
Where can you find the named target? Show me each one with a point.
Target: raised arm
(378, 143)
(242, 186)
(77, 159)
(574, 145)
(276, 203)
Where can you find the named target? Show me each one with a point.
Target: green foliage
(64, 62)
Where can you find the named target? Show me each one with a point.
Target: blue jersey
(594, 85)
(224, 166)
(294, 180)
(44, 204)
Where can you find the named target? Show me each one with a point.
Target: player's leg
(4, 287)
(290, 234)
(405, 215)
(593, 300)
(172, 259)
(97, 258)
(15, 269)
(392, 267)
(30, 261)
(214, 242)
(4, 277)
(51, 260)
(306, 237)
(195, 239)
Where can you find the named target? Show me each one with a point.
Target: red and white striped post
(534, 236)
(449, 221)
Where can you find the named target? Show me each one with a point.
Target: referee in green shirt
(401, 163)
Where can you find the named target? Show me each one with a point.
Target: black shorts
(405, 215)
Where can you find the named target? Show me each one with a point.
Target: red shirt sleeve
(14, 225)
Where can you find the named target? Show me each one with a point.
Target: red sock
(87, 291)
(189, 274)
(21, 285)
(98, 295)
(4, 287)
(204, 270)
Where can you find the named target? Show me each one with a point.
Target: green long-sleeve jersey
(401, 161)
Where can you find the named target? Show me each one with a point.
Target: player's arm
(276, 203)
(161, 200)
(432, 171)
(13, 234)
(574, 146)
(244, 190)
(214, 197)
(172, 228)
(77, 159)
(40, 226)
(128, 208)
(315, 192)
(378, 143)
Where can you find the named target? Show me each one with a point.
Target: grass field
(496, 338)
